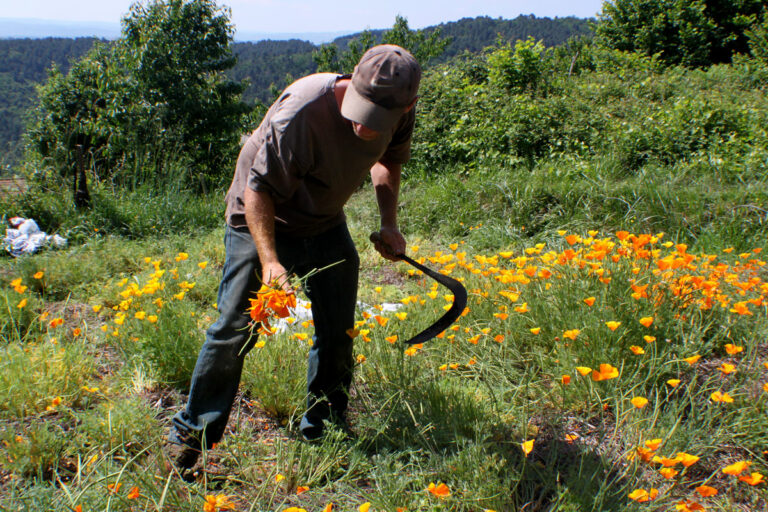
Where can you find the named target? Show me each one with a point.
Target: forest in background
(267, 65)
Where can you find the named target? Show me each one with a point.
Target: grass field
(592, 370)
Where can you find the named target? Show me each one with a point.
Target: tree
(688, 32)
(423, 47)
(154, 100)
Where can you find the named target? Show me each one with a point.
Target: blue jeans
(333, 293)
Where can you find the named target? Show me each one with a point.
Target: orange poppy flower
(733, 349)
(217, 503)
(639, 402)
(706, 491)
(668, 473)
(641, 495)
(571, 334)
(736, 468)
(753, 479)
(440, 490)
(653, 444)
(688, 506)
(646, 321)
(606, 372)
(718, 396)
(612, 325)
(589, 301)
(727, 368)
(637, 350)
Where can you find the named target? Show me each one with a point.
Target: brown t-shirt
(305, 154)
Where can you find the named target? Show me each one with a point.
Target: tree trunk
(82, 197)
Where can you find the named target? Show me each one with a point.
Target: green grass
(456, 411)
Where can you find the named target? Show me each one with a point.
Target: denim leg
(333, 293)
(220, 363)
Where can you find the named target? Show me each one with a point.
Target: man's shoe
(311, 431)
(312, 434)
(183, 449)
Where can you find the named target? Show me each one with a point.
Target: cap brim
(360, 109)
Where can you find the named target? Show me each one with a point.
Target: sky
(296, 16)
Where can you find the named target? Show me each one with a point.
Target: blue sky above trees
(295, 16)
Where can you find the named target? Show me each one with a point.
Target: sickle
(458, 290)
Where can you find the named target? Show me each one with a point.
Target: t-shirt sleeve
(284, 157)
(399, 149)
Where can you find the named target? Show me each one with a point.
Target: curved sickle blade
(450, 316)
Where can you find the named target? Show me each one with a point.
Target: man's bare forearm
(260, 217)
(386, 184)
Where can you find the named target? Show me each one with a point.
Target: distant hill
(24, 63)
(474, 34)
(268, 65)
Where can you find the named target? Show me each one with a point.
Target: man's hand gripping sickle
(389, 242)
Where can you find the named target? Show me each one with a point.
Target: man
(314, 148)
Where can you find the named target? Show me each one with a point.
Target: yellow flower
(202, 264)
(152, 319)
(673, 382)
(527, 446)
(38, 275)
(646, 321)
(613, 325)
(22, 303)
(639, 402)
(583, 370)
(364, 507)
(182, 256)
(733, 349)
(637, 350)
(140, 315)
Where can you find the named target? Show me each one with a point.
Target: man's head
(383, 87)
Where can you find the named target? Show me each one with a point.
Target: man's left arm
(386, 183)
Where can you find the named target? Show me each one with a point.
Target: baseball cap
(384, 83)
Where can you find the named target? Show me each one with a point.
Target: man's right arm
(260, 217)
